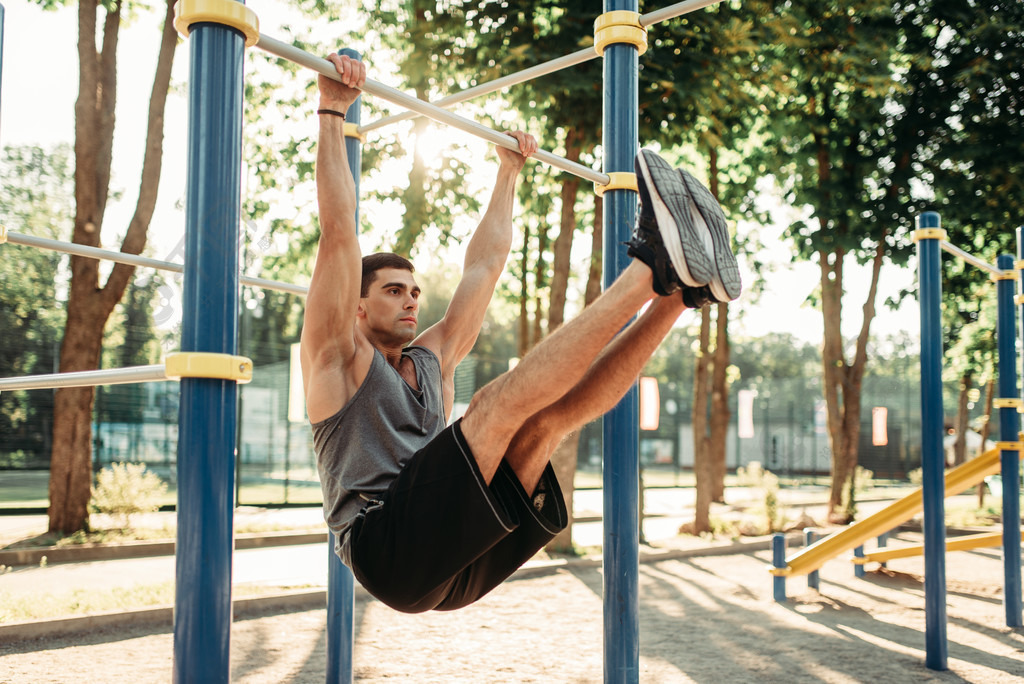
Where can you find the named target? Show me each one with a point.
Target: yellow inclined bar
(965, 543)
(957, 480)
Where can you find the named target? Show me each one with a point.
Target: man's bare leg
(607, 380)
(551, 369)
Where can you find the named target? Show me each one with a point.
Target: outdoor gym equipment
(938, 484)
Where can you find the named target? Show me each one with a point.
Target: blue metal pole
(779, 561)
(622, 424)
(813, 578)
(929, 280)
(883, 542)
(206, 443)
(340, 582)
(858, 568)
(1009, 428)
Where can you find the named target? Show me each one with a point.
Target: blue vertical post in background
(858, 568)
(1009, 428)
(929, 283)
(813, 578)
(340, 582)
(779, 562)
(206, 443)
(621, 424)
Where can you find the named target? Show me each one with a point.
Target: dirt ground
(703, 619)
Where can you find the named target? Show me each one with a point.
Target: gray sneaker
(725, 281)
(666, 237)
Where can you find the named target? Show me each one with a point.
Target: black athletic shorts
(440, 538)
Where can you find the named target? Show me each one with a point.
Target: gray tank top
(361, 448)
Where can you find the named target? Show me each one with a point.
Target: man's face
(391, 306)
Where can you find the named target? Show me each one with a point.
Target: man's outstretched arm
(328, 330)
(454, 336)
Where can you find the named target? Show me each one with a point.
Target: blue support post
(858, 568)
(813, 578)
(929, 280)
(208, 413)
(1009, 429)
(883, 542)
(340, 582)
(622, 424)
(779, 561)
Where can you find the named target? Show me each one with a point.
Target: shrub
(126, 489)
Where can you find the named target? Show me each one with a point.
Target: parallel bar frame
(930, 297)
(621, 470)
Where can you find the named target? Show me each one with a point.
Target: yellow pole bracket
(1019, 264)
(620, 180)
(779, 572)
(208, 365)
(619, 26)
(1004, 275)
(929, 234)
(351, 130)
(1018, 299)
(226, 12)
(1010, 446)
(1007, 402)
(3, 234)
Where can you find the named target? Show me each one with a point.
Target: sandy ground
(705, 619)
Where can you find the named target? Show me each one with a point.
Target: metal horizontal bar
(542, 69)
(969, 258)
(322, 66)
(115, 376)
(136, 260)
(578, 57)
(673, 11)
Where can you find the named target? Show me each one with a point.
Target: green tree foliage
(37, 200)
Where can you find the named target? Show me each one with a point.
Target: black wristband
(332, 112)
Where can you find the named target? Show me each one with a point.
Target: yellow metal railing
(964, 543)
(958, 479)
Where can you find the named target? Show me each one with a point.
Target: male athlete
(430, 515)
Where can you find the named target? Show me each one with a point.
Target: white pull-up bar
(322, 66)
(543, 69)
(133, 259)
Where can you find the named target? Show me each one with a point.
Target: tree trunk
(566, 232)
(702, 466)
(565, 457)
(89, 305)
(596, 253)
(842, 380)
(720, 414)
(524, 294)
(960, 445)
(990, 387)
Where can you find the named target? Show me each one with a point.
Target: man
(434, 517)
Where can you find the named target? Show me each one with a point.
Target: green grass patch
(963, 514)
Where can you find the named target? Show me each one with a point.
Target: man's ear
(360, 310)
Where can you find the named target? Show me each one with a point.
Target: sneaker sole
(688, 245)
(725, 284)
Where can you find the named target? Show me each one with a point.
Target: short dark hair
(374, 262)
